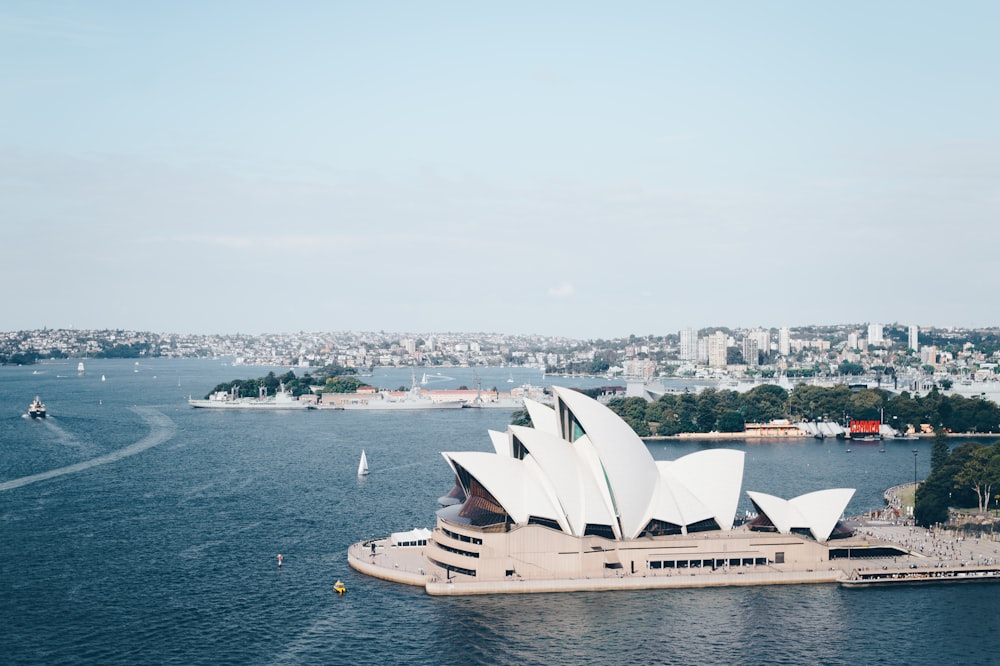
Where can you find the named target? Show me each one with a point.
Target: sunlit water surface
(137, 530)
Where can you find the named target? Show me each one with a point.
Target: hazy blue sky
(564, 168)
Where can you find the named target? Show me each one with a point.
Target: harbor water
(137, 530)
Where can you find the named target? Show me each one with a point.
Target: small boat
(339, 587)
(79, 366)
(103, 378)
(363, 465)
(36, 409)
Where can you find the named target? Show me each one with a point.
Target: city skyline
(575, 170)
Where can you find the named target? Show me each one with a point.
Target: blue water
(151, 538)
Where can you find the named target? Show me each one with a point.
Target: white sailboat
(363, 465)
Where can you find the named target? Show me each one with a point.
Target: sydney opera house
(577, 498)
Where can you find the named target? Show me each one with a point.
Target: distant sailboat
(79, 366)
(103, 378)
(363, 465)
(510, 378)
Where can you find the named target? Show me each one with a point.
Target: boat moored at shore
(281, 400)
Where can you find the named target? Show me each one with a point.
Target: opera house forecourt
(577, 502)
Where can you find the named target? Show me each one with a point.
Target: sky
(580, 169)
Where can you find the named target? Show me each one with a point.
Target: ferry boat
(36, 409)
(921, 576)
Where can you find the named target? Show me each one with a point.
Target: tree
(764, 403)
(633, 412)
(980, 473)
(939, 451)
(521, 418)
(342, 384)
(865, 404)
(732, 422)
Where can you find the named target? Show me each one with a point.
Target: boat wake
(62, 437)
(161, 429)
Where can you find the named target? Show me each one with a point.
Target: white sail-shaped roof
(628, 466)
(543, 417)
(817, 512)
(514, 483)
(591, 460)
(583, 469)
(674, 503)
(501, 443)
(579, 495)
(714, 476)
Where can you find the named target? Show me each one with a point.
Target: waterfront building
(578, 496)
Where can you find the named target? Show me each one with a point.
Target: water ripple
(161, 430)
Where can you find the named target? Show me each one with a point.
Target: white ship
(394, 401)
(37, 409)
(414, 399)
(282, 399)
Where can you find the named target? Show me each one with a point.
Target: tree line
(333, 379)
(713, 410)
(965, 476)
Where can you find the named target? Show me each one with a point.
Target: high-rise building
(763, 339)
(751, 351)
(875, 334)
(717, 350)
(784, 341)
(688, 350)
(928, 355)
(914, 341)
(852, 341)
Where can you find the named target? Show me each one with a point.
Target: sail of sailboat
(363, 465)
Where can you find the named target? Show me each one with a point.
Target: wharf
(921, 576)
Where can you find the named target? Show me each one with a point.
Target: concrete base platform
(634, 583)
(924, 557)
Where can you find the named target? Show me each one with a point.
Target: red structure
(862, 428)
